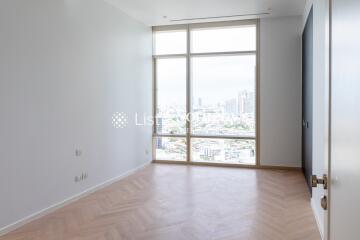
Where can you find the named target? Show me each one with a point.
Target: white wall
(65, 67)
(320, 99)
(280, 91)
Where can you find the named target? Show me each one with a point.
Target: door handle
(315, 181)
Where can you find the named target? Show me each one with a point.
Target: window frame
(188, 55)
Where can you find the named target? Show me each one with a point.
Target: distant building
(231, 106)
(159, 143)
(209, 153)
(241, 103)
(246, 102)
(249, 106)
(159, 124)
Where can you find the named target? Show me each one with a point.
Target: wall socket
(81, 177)
(78, 152)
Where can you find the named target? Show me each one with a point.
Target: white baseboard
(317, 218)
(13, 226)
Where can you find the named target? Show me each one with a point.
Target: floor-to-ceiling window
(205, 93)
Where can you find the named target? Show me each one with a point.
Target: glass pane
(169, 148)
(223, 39)
(223, 151)
(171, 96)
(170, 42)
(223, 96)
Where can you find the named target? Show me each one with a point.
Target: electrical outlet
(78, 152)
(81, 177)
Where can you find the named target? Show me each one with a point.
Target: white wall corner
(308, 5)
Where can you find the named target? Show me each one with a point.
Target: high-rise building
(246, 102)
(249, 106)
(241, 103)
(231, 106)
(159, 143)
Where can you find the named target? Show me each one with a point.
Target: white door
(345, 121)
(321, 112)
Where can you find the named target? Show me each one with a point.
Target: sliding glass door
(205, 93)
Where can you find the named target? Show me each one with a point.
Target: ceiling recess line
(228, 16)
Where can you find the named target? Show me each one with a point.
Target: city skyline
(235, 110)
(235, 115)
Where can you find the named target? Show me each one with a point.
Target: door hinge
(315, 181)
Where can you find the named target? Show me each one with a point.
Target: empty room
(179, 120)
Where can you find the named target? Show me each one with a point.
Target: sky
(214, 79)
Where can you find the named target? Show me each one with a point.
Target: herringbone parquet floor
(171, 202)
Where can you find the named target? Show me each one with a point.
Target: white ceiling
(161, 12)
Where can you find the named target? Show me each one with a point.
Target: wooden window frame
(188, 55)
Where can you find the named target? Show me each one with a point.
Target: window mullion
(188, 96)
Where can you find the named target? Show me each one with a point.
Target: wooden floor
(172, 202)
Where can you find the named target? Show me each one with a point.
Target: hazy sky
(214, 79)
